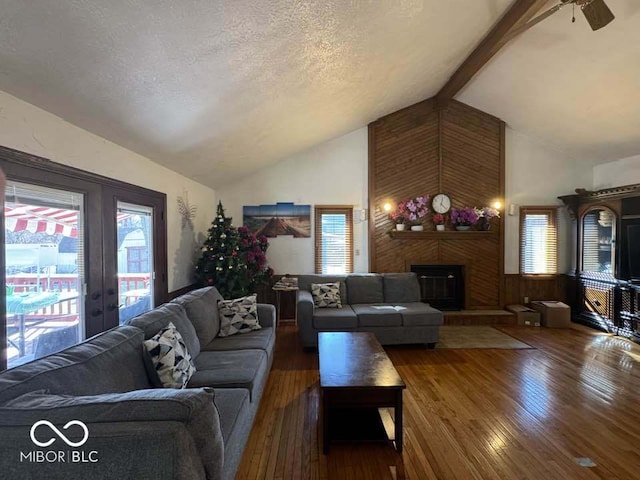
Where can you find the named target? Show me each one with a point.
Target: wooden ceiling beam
(516, 17)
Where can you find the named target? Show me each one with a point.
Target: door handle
(113, 306)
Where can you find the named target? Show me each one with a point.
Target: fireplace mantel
(446, 235)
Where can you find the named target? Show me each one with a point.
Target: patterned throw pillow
(238, 316)
(326, 295)
(170, 357)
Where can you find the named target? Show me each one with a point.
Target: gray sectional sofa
(366, 307)
(135, 430)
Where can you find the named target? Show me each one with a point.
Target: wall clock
(441, 203)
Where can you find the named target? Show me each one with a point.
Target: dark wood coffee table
(356, 376)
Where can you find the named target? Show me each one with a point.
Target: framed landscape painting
(278, 219)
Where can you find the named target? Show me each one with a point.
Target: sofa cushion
(202, 310)
(334, 318)
(170, 357)
(418, 313)
(239, 315)
(401, 288)
(377, 316)
(230, 403)
(192, 407)
(84, 369)
(155, 320)
(230, 369)
(365, 289)
(326, 295)
(262, 339)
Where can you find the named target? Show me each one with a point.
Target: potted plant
(485, 214)
(411, 211)
(439, 220)
(399, 216)
(463, 218)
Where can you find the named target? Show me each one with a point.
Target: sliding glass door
(44, 270)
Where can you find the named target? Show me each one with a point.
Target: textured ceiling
(570, 86)
(215, 90)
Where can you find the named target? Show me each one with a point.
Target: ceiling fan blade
(597, 14)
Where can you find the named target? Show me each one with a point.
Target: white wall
(29, 129)
(332, 173)
(536, 174)
(625, 171)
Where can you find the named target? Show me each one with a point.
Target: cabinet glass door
(44, 271)
(598, 241)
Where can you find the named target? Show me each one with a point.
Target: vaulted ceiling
(218, 89)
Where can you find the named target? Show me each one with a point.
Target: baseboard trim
(479, 317)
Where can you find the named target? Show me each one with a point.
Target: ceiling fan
(596, 13)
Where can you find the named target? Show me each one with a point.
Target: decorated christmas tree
(233, 260)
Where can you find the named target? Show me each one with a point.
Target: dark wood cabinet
(606, 281)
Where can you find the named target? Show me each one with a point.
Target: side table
(279, 291)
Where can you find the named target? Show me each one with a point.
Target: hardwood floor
(468, 414)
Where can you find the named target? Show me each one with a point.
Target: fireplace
(442, 286)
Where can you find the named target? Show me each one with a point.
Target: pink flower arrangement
(487, 212)
(411, 210)
(464, 216)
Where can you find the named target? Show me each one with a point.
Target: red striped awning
(35, 219)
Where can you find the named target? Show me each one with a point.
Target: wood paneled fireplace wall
(430, 148)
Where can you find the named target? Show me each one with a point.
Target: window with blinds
(333, 239)
(538, 241)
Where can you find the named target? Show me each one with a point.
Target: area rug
(477, 336)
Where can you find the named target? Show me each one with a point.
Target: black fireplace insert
(441, 286)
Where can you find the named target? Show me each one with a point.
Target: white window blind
(538, 241)
(334, 240)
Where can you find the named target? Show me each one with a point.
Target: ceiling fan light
(597, 14)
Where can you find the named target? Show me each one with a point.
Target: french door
(45, 275)
(133, 242)
(80, 254)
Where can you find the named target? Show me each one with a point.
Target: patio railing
(68, 282)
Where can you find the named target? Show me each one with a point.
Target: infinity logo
(59, 433)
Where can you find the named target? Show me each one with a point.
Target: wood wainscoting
(430, 148)
(547, 287)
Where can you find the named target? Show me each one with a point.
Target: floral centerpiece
(411, 211)
(463, 218)
(485, 214)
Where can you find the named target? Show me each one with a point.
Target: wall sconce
(387, 207)
(497, 204)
